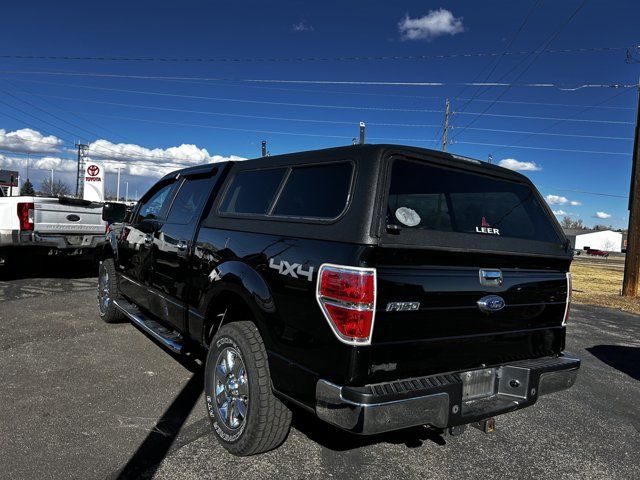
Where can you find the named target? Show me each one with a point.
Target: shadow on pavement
(30, 266)
(335, 439)
(155, 447)
(623, 358)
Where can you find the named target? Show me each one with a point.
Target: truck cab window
(156, 206)
(189, 199)
(316, 192)
(252, 191)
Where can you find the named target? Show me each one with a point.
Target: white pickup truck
(47, 225)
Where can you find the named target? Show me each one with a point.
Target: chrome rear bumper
(437, 400)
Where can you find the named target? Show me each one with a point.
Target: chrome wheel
(103, 289)
(231, 388)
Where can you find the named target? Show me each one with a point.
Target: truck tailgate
(428, 320)
(68, 217)
(448, 302)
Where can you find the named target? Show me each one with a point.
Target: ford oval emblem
(491, 303)
(73, 217)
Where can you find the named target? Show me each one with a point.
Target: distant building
(6, 177)
(606, 240)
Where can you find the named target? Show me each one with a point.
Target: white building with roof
(605, 240)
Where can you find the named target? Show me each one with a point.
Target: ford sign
(491, 303)
(73, 218)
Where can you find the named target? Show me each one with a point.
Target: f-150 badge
(403, 306)
(294, 270)
(486, 228)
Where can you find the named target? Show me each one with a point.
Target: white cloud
(27, 140)
(603, 215)
(302, 26)
(44, 163)
(134, 159)
(513, 164)
(575, 203)
(556, 200)
(155, 162)
(434, 24)
(559, 212)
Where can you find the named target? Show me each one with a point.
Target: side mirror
(114, 212)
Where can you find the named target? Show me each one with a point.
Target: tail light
(25, 216)
(347, 297)
(567, 309)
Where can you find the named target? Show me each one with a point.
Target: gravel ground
(82, 399)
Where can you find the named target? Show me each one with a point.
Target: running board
(169, 338)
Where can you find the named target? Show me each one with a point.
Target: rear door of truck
(471, 270)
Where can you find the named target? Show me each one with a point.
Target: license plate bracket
(478, 383)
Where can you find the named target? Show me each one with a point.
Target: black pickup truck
(377, 286)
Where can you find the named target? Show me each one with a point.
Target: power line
(541, 148)
(117, 153)
(258, 102)
(586, 192)
(49, 113)
(564, 87)
(598, 137)
(420, 140)
(608, 99)
(354, 58)
(262, 117)
(373, 94)
(309, 105)
(479, 91)
(532, 117)
(544, 45)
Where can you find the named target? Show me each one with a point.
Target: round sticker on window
(407, 216)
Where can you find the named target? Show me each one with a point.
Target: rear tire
(107, 292)
(246, 416)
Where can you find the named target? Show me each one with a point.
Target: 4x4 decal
(294, 270)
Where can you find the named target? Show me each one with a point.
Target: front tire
(246, 416)
(107, 291)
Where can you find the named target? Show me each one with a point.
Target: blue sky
(149, 113)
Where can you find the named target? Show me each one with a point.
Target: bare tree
(568, 222)
(608, 245)
(56, 189)
(600, 227)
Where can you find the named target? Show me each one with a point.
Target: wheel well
(227, 307)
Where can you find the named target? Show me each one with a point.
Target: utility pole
(118, 187)
(632, 258)
(126, 191)
(445, 126)
(362, 128)
(82, 149)
(52, 182)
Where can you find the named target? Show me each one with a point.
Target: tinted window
(432, 198)
(190, 198)
(252, 191)
(318, 192)
(156, 206)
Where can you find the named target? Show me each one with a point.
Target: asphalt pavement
(82, 399)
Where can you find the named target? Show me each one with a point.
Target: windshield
(428, 197)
